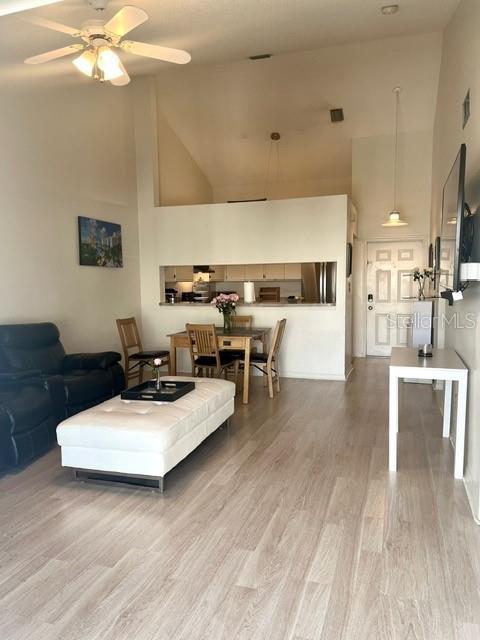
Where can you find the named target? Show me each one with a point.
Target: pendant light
(394, 219)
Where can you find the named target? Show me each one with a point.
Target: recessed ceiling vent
(336, 115)
(260, 56)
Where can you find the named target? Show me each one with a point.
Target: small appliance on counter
(170, 295)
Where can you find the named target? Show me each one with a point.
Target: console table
(445, 365)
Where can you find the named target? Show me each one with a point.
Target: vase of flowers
(157, 363)
(421, 277)
(226, 305)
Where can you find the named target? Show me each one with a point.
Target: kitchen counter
(282, 303)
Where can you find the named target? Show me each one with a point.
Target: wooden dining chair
(269, 294)
(136, 359)
(267, 363)
(205, 354)
(242, 322)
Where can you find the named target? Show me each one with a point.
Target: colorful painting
(100, 243)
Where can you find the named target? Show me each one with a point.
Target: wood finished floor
(288, 528)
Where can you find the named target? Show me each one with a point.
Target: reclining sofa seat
(75, 382)
(27, 420)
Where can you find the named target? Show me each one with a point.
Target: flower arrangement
(421, 277)
(226, 305)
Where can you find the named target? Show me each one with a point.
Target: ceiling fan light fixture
(109, 63)
(86, 63)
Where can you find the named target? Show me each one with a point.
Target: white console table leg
(393, 422)
(447, 408)
(461, 419)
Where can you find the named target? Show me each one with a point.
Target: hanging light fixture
(101, 64)
(394, 219)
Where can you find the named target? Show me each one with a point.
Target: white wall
(64, 154)
(459, 72)
(372, 183)
(299, 230)
(180, 179)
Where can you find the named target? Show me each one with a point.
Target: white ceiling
(221, 30)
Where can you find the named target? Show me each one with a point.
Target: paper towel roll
(248, 292)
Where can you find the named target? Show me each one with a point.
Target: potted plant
(226, 305)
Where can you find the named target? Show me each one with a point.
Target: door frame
(360, 314)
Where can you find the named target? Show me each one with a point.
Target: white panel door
(390, 293)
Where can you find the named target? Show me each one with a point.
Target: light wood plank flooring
(290, 527)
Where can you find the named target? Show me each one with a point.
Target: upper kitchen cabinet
(293, 271)
(254, 272)
(179, 274)
(219, 275)
(235, 272)
(274, 272)
(170, 274)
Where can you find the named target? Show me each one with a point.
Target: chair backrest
(269, 294)
(277, 340)
(202, 341)
(129, 336)
(243, 322)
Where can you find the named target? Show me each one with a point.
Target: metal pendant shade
(394, 218)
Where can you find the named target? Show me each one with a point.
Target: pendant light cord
(267, 177)
(395, 155)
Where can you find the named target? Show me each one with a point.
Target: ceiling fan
(98, 59)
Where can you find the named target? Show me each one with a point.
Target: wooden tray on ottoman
(170, 390)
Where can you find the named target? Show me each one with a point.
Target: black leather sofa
(27, 419)
(32, 362)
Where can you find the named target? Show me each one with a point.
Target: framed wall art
(100, 243)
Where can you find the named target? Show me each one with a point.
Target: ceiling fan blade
(123, 80)
(53, 55)
(125, 20)
(15, 6)
(178, 56)
(54, 26)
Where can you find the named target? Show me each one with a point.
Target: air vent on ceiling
(260, 56)
(336, 115)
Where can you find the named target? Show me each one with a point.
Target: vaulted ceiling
(224, 113)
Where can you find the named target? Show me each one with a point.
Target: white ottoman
(144, 439)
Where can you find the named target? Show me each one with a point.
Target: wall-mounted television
(454, 209)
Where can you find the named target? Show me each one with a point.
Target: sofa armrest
(102, 360)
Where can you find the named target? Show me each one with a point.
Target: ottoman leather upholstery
(145, 438)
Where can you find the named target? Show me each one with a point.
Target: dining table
(234, 339)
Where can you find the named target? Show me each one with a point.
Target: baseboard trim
(298, 375)
(466, 483)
